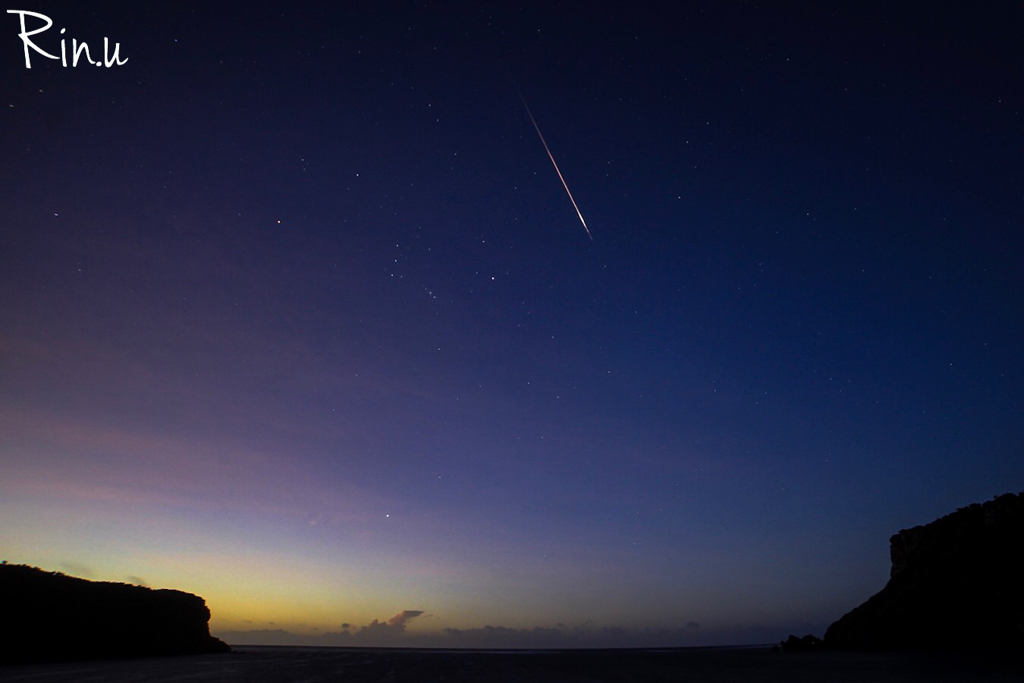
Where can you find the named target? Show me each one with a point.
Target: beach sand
(701, 665)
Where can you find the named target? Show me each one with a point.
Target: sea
(384, 665)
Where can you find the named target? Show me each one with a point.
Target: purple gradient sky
(296, 315)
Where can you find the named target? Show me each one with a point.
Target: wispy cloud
(135, 466)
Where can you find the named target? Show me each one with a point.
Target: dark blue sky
(296, 313)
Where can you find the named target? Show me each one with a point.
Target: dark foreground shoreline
(693, 665)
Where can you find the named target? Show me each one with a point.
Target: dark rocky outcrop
(808, 643)
(956, 583)
(48, 616)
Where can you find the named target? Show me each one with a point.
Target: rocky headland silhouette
(50, 617)
(955, 584)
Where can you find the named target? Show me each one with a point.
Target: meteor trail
(555, 164)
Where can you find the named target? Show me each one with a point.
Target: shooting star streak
(555, 164)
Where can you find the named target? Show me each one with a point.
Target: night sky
(296, 313)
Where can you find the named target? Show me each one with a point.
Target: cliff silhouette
(49, 616)
(956, 583)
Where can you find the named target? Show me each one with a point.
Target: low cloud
(562, 636)
(267, 636)
(399, 620)
(393, 633)
(393, 627)
(375, 634)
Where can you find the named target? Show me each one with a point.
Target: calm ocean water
(699, 665)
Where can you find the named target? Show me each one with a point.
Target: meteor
(555, 164)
